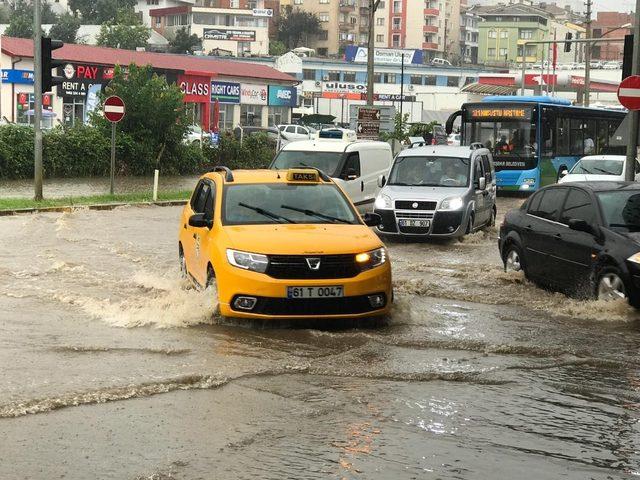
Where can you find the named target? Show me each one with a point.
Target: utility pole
(37, 90)
(373, 6)
(402, 85)
(587, 56)
(632, 146)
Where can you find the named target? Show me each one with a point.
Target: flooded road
(112, 369)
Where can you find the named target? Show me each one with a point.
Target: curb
(98, 206)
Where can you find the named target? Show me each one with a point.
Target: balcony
(364, 11)
(429, 46)
(429, 29)
(364, 28)
(347, 25)
(432, 12)
(347, 6)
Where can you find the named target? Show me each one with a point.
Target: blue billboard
(392, 56)
(225, 92)
(17, 76)
(283, 96)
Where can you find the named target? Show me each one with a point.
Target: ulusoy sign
(225, 92)
(227, 34)
(392, 56)
(196, 89)
(283, 96)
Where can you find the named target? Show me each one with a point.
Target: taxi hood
(302, 239)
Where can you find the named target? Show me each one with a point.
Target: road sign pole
(113, 157)
(632, 146)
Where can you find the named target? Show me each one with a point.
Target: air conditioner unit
(318, 84)
(325, 78)
(411, 88)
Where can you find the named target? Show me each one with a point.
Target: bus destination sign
(513, 112)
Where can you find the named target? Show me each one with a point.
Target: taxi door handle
(195, 236)
(362, 186)
(557, 236)
(184, 225)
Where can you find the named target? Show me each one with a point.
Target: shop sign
(289, 63)
(196, 89)
(283, 96)
(253, 94)
(225, 92)
(392, 56)
(17, 76)
(263, 12)
(78, 79)
(227, 34)
(344, 87)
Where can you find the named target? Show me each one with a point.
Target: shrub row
(85, 151)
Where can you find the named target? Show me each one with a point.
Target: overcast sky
(614, 5)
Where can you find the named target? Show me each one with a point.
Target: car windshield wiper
(266, 213)
(313, 213)
(606, 172)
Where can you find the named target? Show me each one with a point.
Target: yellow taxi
(283, 244)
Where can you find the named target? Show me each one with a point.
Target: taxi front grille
(414, 215)
(419, 205)
(315, 306)
(296, 267)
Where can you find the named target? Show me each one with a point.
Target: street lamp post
(373, 6)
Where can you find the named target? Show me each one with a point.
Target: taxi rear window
(252, 204)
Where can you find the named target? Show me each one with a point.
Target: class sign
(196, 89)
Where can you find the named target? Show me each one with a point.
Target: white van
(355, 165)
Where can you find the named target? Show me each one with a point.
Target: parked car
(194, 135)
(454, 140)
(596, 65)
(598, 168)
(440, 61)
(272, 133)
(355, 165)
(581, 238)
(611, 66)
(295, 132)
(438, 191)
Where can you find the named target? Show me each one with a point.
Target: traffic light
(627, 58)
(48, 64)
(567, 45)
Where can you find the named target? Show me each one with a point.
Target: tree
(125, 32)
(156, 118)
(277, 48)
(399, 132)
(99, 11)
(66, 29)
(184, 43)
(21, 18)
(293, 25)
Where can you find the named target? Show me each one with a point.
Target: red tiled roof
(22, 47)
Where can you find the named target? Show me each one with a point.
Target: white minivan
(355, 165)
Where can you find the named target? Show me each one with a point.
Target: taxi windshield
(253, 204)
(326, 161)
(430, 172)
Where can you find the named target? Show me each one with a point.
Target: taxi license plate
(315, 292)
(415, 223)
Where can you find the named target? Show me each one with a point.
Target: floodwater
(112, 369)
(75, 187)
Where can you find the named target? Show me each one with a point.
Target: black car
(581, 238)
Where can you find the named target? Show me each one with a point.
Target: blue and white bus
(534, 138)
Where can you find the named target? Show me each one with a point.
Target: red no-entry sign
(629, 92)
(114, 109)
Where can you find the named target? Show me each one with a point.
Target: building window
(323, 35)
(526, 34)
(430, 80)
(297, 2)
(416, 80)
(453, 81)
(251, 115)
(380, 38)
(397, 6)
(380, 22)
(503, 52)
(493, 34)
(324, 1)
(397, 23)
(226, 117)
(349, 76)
(491, 52)
(278, 115)
(395, 40)
(73, 111)
(504, 34)
(323, 52)
(334, 76)
(389, 78)
(323, 17)
(308, 74)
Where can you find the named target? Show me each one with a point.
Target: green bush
(85, 151)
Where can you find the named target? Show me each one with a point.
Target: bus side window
(547, 131)
(576, 138)
(602, 142)
(562, 143)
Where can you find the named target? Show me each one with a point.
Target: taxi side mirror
(382, 181)
(482, 183)
(564, 173)
(372, 219)
(350, 174)
(200, 220)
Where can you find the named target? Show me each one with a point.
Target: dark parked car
(581, 238)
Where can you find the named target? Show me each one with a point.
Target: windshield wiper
(313, 213)
(266, 213)
(606, 172)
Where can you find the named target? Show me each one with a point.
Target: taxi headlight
(383, 201)
(371, 259)
(635, 258)
(452, 203)
(248, 261)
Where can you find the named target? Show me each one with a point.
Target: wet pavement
(113, 369)
(80, 187)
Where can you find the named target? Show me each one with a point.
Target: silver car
(438, 191)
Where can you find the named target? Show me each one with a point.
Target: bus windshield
(503, 137)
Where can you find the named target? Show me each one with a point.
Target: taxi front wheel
(183, 262)
(211, 277)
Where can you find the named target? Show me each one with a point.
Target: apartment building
(469, 33)
(609, 24)
(235, 27)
